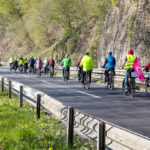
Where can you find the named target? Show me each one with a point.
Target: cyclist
(38, 66)
(147, 69)
(51, 63)
(45, 65)
(110, 61)
(11, 60)
(128, 66)
(21, 62)
(31, 63)
(66, 64)
(25, 64)
(79, 69)
(15, 64)
(87, 64)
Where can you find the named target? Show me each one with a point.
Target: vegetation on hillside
(51, 27)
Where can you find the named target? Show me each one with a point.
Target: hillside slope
(99, 27)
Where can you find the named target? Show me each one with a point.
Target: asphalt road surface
(112, 106)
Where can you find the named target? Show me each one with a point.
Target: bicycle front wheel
(147, 86)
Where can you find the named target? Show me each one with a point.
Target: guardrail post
(2, 84)
(9, 90)
(101, 136)
(70, 129)
(21, 96)
(38, 104)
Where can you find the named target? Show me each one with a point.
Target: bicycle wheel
(65, 75)
(123, 87)
(147, 86)
(87, 81)
(132, 87)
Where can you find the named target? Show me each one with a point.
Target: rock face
(126, 26)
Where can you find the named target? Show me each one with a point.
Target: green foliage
(21, 130)
(114, 3)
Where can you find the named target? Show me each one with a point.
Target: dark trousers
(84, 73)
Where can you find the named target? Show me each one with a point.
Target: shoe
(126, 90)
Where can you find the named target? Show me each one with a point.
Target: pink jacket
(38, 64)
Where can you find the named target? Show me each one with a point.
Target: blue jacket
(110, 61)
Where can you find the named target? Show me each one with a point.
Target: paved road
(112, 106)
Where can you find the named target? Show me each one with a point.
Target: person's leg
(90, 75)
(126, 79)
(53, 69)
(83, 75)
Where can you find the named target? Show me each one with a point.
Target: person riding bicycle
(31, 63)
(11, 60)
(15, 64)
(128, 66)
(87, 64)
(21, 62)
(79, 69)
(38, 66)
(147, 67)
(66, 64)
(45, 65)
(51, 63)
(25, 63)
(110, 61)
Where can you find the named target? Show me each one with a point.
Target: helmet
(130, 52)
(66, 56)
(25, 57)
(86, 53)
(110, 53)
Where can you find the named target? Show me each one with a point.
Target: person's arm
(106, 61)
(62, 62)
(81, 64)
(124, 63)
(148, 66)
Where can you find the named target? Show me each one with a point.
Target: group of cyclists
(32, 65)
(85, 66)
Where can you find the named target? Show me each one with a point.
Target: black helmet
(110, 53)
(86, 53)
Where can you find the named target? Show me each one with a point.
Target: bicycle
(131, 84)
(147, 86)
(66, 74)
(38, 73)
(21, 68)
(86, 81)
(31, 69)
(51, 72)
(109, 79)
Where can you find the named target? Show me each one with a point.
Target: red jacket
(51, 62)
(148, 66)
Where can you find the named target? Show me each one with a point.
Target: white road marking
(89, 94)
(45, 81)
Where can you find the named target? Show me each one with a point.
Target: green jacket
(65, 62)
(87, 63)
(21, 62)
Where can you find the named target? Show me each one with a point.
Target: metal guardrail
(99, 74)
(117, 138)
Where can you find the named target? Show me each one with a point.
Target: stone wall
(126, 26)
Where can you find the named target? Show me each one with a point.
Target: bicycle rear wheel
(87, 81)
(132, 88)
(123, 87)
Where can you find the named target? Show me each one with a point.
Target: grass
(20, 130)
